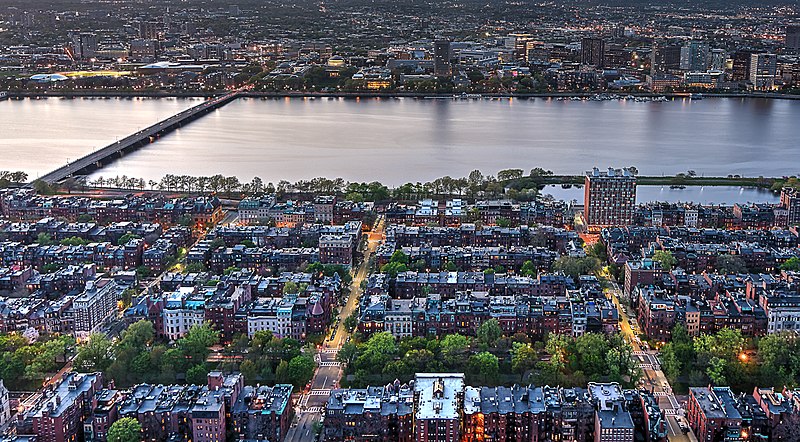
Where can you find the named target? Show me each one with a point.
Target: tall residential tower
(609, 197)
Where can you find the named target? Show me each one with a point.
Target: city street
(654, 379)
(329, 372)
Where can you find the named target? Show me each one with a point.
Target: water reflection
(401, 140)
(695, 194)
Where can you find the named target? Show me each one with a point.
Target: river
(396, 140)
(39, 135)
(695, 194)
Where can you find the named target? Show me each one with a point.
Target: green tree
(528, 269)
(399, 256)
(489, 332)
(454, 349)
(73, 241)
(126, 429)
(670, 363)
(127, 297)
(509, 174)
(44, 239)
(84, 218)
(716, 371)
(195, 344)
(197, 374)
(43, 188)
(729, 264)
(347, 353)
(598, 250)
(393, 268)
(300, 370)
(282, 373)
(523, 357)
(195, 267)
(418, 360)
(126, 238)
(351, 322)
(486, 364)
(94, 355)
(377, 351)
(591, 350)
(290, 287)
(575, 267)
(792, 264)
(138, 335)
(665, 258)
(502, 222)
(231, 269)
(144, 271)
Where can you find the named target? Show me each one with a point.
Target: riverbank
(366, 94)
(759, 182)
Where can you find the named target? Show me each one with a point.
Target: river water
(397, 140)
(695, 194)
(39, 135)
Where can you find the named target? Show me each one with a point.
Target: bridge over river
(98, 158)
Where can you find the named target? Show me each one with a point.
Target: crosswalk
(319, 392)
(639, 353)
(645, 366)
(660, 394)
(330, 350)
(329, 364)
(670, 412)
(312, 410)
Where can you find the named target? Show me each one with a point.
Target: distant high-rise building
(616, 57)
(790, 200)
(593, 51)
(190, 28)
(695, 56)
(741, 65)
(792, 42)
(441, 58)
(521, 44)
(84, 45)
(5, 407)
(143, 49)
(718, 59)
(609, 197)
(763, 68)
(665, 58)
(149, 30)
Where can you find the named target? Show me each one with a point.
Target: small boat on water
(677, 186)
(566, 186)
(695, 96)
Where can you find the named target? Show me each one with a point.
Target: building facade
(609, 197)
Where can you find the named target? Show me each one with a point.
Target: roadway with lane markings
(119, 146)
(654, 377)
(329, 371)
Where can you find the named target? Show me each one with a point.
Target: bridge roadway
(96, 159)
